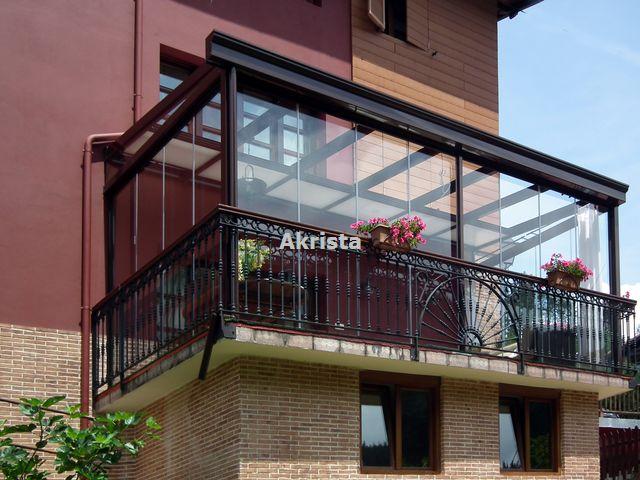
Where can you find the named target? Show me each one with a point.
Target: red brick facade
(257, 418)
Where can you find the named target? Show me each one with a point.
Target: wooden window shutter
(418, 23)
(375, 11)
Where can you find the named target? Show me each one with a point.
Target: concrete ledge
(456, 364)
(176, 370)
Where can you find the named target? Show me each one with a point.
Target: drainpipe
(137, 61)
(85, 292)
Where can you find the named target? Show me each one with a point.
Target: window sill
(530, 473)
(395, 471)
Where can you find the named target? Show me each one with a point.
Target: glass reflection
(177, 188)
(540, 435)
(516, 225)
(300, 164)
(415, 428)
(510, 436)
(375, 424)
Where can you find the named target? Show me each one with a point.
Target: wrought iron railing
(625, 405)
(230, 268)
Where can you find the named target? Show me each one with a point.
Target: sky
(570, 87)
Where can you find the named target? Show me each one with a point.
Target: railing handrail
(630, 303)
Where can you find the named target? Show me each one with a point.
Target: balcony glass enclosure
(200, 191)
(299, 163)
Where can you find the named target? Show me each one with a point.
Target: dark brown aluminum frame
(409, 382)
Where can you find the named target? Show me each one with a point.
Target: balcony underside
(172, 372)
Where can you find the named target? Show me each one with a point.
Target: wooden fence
(620, 453)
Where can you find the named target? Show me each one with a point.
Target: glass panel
(375, 425)
(382, 162)
(510, 436)
(122, 221)
(149, 218)
(432, 176)
(481, 196)
(267, 170)
(415, 428)
(327, 176)
(558, 225)
(516, 225)
(178, 187)
(519, 226)
(541, 435)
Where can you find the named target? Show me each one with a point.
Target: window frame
(527, 395)
(398, 383)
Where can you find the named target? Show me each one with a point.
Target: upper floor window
(398, 418)
(207, 123)
(171, 75)
(528, 433)
(395, 13)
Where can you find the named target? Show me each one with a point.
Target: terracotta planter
(563, 280)
(381, 238)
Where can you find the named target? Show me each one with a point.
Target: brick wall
(200, 432)
(37, 362)
(460, 81)
(260, 418)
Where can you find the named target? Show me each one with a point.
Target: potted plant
(402, 234)
(252, 255)
(566, 274)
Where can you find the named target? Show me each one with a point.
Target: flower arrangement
(405, 231)
(366, 227)
(252, 255)
(576, 268)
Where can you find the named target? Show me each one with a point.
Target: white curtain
(589, 251)
(589, 245)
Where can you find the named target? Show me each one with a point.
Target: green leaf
(51, 401)
(41, 444)
(33, 402)
(152, 424)
(22, 428)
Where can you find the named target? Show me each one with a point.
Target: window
(398, 422)
(396, 19)
(207, 124)
(528, 433)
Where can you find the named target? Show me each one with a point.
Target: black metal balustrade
(623, 405)
(230, 268)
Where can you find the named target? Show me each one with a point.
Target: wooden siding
(460, 81)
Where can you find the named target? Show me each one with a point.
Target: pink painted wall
(317, 36)
(67, 73)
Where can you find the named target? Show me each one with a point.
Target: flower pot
(563, 280)
(381, 238)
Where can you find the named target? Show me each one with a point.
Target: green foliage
(80, 453)
(252, 255)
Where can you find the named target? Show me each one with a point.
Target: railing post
(110, 345)
(121, 335)
(616, 332)
(230, 240)
(95, 362)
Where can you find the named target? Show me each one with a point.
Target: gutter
(85, 278)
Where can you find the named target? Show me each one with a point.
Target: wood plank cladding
(460, 81)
